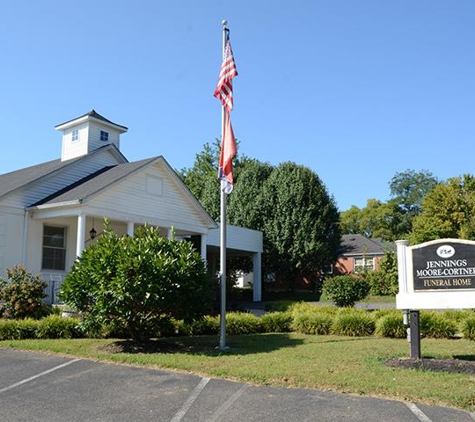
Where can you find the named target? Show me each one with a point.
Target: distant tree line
(421, 209)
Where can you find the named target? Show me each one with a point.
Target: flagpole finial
(224, 22)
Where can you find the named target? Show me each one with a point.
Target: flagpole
(223, 242)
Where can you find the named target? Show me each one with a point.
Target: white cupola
(87, 133)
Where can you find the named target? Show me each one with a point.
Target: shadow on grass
(206, 345)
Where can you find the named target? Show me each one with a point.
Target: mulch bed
(429, 364)
(151, 346)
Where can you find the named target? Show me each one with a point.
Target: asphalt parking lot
(40, 387)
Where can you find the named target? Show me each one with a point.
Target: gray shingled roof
(357, 244)
(18, 178)
(96, 115)
(95, 182)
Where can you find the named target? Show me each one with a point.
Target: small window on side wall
(75, 135)
(104, 136)
(54, 248)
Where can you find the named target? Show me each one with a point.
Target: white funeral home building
(51, 211)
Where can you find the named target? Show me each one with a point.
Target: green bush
(437, 325)
(467, 327)
(312, 322)
(136, 282)
(391, 325)
(345, 290)
(18, 329)
(384, 282)
(54, 326)
(22, 294)
(354, 323)
(203, 326)
(242, 323)
(276, 322)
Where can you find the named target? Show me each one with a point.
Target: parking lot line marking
(190, 400)
(418, 412)
(227, 404)
(17, 384)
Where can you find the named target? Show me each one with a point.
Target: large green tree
(301, 221)
(448, 211)
(289, 203)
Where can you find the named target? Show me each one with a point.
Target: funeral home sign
(436, 275)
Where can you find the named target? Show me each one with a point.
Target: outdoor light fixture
(92, 233)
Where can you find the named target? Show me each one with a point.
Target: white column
(257, 277)
(402, 246)
(204, 243)
(24, 238)
(81, 234)
(130, 228)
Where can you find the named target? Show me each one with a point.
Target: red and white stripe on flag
(224, 89)
(228, 151)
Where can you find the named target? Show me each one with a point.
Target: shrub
(312, 322)
(345, 290)
(18, 329)
(22, 294)
(391, 325)
(276, 322)
(384, 282)
(437, 325)
(467, 327)
(54, 326)
(135, 283)
(242, 323)
(353, 322)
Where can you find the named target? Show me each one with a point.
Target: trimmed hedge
(303, 318)
(437, 325)
(242, 323)
(391, 324)
(50, 327)
(277, 322)
(353, 323)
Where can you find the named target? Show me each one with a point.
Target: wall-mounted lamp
(92, 232)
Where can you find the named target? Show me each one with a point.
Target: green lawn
(344, 364)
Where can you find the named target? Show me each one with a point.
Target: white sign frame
(409, 298)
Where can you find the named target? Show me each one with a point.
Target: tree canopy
(448, 211)
(288, 203)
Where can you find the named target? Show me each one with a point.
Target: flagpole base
(223, 348)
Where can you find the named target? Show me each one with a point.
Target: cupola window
(104, 136)
(75, 135)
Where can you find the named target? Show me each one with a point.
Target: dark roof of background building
(357, 244)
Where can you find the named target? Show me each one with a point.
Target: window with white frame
(104, 136)
(75, 135)
(364, 264)
(54, 248)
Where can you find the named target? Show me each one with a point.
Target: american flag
(224, 89)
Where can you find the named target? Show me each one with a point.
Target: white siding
(73, 149)
(170, 208)
(11, 229)
(95, 137)
(44, 187)
(238, 238)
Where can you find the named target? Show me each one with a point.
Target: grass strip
(343, 364)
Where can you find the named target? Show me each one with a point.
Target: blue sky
(357, 90)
